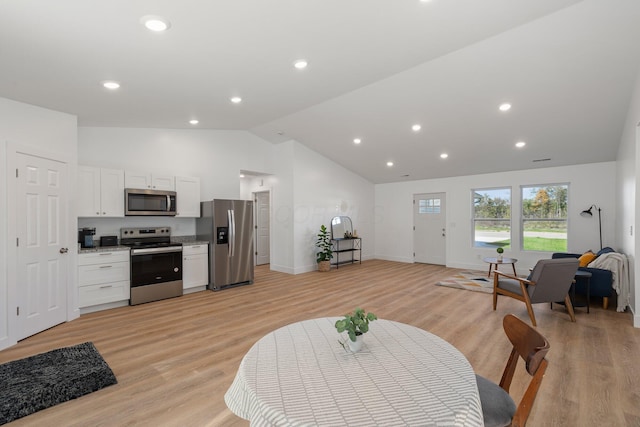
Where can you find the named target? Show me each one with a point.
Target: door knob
(64, 250)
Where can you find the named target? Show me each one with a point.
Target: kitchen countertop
(103, 249)
(185, 240)
(188, 240)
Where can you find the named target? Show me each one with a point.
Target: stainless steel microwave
(149, 202)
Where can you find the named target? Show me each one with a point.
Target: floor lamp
(589, 213)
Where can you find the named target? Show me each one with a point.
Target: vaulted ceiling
(375, 69)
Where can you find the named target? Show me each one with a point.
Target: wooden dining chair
(498, 407)
(549, 281)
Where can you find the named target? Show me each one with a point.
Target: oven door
(156, 265)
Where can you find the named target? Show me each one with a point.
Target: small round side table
(493, 261)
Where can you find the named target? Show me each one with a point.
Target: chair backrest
(552, 278)
(527, 342)
(532, 347)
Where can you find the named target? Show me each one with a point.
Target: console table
(347, 247)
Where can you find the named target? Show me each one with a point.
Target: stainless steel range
(156, 264)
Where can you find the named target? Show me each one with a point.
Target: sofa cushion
(586, 258)
(604, 251)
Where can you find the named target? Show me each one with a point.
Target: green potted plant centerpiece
(500, 251)
(355, 325)
(324, 255)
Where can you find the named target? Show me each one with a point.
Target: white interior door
(41, 201)
(262, 228)
(429, 230)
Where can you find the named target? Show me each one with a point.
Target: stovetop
(148, 237)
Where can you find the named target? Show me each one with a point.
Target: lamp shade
(587, 212)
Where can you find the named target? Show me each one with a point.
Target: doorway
(429, 228)
(262, 235)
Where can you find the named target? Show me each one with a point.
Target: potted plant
(355, 325)
(323, 242)
(500, 250)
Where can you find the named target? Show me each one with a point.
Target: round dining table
(300, 375)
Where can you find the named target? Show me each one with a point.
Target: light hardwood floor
(175, 359)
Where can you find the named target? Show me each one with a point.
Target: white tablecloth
(299, 375)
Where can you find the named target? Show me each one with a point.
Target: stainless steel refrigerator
(228, 227)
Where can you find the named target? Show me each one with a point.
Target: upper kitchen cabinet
(187, 196)
(149, 181)
(100, 192)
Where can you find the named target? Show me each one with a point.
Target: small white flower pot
(357, 345)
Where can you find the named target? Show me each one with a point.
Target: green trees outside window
(492, 217)
(544, 217)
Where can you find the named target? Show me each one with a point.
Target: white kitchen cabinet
(149, 181)
(100, 192)
(195, 265)
(187, 197)
(103, 277)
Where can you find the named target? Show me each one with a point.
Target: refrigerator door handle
(232, 231)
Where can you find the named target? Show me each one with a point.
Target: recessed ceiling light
(194, 121)
(357, 141)
(520, 144)
(416, 127)
(300, 64)
(241, 175)
(236, 100)
(505, 107)
(111, 85)
(389, 164)
(444, 155)
(155, 23)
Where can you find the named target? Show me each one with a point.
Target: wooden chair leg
(530, 311)
(495, 291)
(605, 302)
(527, 301)
(567, 303)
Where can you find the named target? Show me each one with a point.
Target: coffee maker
(85, 237)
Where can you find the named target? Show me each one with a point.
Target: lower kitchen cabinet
(195, 265)
(103, 277)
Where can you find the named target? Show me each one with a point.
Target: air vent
(541, 160)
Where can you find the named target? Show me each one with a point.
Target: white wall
(322, 190)
(588, 184)
(628, 197)
(215, 156)
(34, 130)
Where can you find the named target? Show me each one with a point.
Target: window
(492, 217)
(544, 218)
(429, 206)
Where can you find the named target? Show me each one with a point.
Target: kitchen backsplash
(112, 226)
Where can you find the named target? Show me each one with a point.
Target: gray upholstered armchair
(549, 281)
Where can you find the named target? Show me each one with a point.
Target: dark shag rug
(44, 380)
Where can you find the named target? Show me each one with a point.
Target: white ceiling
(376, 67)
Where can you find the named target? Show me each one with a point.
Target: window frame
(474, 220)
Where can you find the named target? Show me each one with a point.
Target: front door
(41, 203)
(429, 231)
